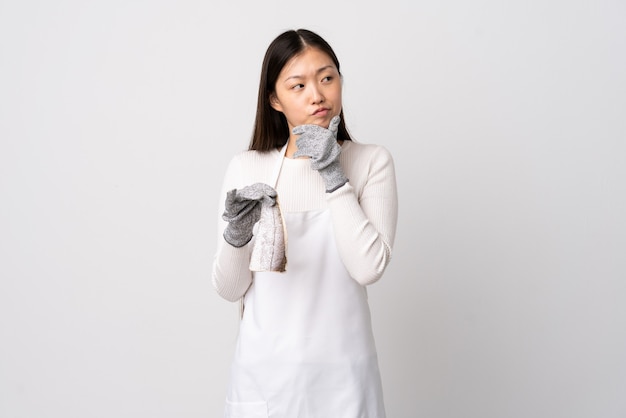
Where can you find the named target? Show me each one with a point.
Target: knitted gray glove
(321, 145)
(243, 210)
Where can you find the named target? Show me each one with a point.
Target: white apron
(305, 346)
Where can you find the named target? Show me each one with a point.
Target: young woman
(305, 347)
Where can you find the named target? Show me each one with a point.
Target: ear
(275, 103)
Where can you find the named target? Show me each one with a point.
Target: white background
(506, 296)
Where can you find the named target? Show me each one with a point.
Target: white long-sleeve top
(364, 211)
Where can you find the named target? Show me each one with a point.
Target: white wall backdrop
(507, 293)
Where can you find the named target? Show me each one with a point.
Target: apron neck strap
(278, 166)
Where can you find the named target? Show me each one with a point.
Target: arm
(231, 275)
(365, 227)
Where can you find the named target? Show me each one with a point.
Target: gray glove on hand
(320, 144)
(243, 210)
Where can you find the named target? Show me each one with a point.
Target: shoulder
(253, 160)
(366, 164)
(249, 167)
(355, 153)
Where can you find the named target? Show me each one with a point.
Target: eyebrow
(317, 72)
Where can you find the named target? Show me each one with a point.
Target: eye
(327, 79)
(297, 86)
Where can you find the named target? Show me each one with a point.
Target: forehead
(309, 60)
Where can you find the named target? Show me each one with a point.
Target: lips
(322, 111)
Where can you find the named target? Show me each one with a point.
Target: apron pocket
(246, 409)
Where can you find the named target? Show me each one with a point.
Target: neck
(291, 146)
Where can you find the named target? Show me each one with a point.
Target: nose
(316, 95)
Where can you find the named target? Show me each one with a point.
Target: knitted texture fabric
(320, 144)
(364, 211)
(269, 252)
(243, 210)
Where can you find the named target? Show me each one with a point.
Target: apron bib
(305, 346)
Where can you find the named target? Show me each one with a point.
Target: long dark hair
(270, 127)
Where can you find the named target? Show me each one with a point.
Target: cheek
(296, 105)
(336, 94)
(294, 113)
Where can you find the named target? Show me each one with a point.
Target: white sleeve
(231, 275)
(365, 226)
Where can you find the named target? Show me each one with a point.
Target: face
(308, 89)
